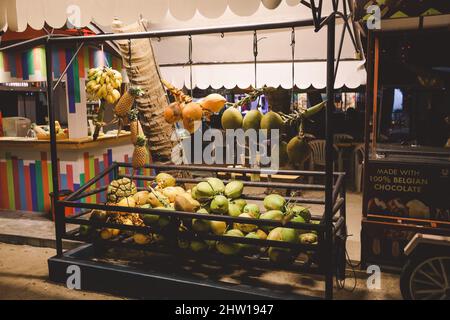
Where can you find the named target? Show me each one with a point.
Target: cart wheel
(426, 276)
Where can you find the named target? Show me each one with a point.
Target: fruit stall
(406, 179)
(25, 162)
(154, 228)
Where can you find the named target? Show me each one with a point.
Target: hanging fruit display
(140, 153)
(187, 111)
(135, 125)
(104, 83)
(126, 102)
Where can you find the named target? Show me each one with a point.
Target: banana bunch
(104, 83)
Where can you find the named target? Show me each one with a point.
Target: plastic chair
(359, 153)
(318, 155)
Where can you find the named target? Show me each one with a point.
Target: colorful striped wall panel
(26, 184)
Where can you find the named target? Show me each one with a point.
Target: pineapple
(135, 126)
(140, 153)
(120, 189)
(125, 103)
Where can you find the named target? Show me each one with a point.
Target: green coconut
(184, 244)
(164, 221)
(227, 248)
(282, 255)
(299, 211)
(308, 238)
(201, 225)
(275, 202)
(272, 121)
(252, 120)
(217, 185)
(232, 119)
(218, 227)
(194, 193)
(219, 205)
(253, 210)
(204, 191)
(251, 248)
(276, 215)
(245, 227)
(99, 216)
(86, 231)
(298, 150)
(199, 246)
(240, 202)
(234, 189)
(234, 210)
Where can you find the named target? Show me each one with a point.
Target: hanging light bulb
(271, 4)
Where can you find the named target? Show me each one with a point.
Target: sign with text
(409, 190)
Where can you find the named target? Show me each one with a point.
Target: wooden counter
(69, 144)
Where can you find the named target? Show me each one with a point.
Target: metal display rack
(331, 228)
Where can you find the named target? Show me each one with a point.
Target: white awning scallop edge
(18, 14)
(351, 74)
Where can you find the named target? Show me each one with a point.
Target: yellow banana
(116, 94)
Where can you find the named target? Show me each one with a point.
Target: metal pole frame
(329, 181)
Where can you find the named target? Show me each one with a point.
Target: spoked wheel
(426, 278)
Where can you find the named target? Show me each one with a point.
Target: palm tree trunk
(144, 72)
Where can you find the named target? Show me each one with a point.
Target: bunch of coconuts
(296, 150)
(217, 198)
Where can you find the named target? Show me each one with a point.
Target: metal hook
(293, 42)
(222, 35)
(255, 54)
(190, 65)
